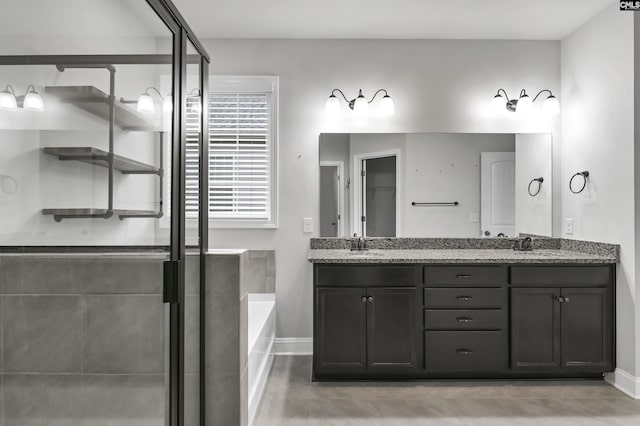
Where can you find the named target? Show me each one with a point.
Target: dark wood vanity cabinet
(421, 321)
(568, 328)
(362, 327)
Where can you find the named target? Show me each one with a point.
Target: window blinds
(240, 161)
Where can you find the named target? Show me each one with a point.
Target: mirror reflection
(432, 185)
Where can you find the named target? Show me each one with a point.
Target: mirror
(447, 185)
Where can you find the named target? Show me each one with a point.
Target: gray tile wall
(82, 340)
(230, 278)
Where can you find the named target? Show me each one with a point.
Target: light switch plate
(568, 226)
(474, 217)
(307, 225)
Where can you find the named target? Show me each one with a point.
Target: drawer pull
(464, 351)
(463, 276)
(464, 319)
(465, 298)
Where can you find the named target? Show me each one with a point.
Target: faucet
(524, 244)
(359, 244)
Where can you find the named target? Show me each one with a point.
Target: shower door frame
(174, 283)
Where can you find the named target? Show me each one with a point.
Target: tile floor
(292, 399)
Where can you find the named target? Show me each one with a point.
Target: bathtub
(261, 335)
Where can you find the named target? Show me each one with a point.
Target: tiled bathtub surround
(231, 276)
(540, 243)
(82, 339)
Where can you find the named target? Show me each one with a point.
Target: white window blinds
(241, 153)
(239, 156)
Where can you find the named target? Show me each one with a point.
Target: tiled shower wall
(83, 341)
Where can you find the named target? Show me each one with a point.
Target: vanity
(416, 313)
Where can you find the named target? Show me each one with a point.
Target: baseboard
(294, 346)
(625, 382)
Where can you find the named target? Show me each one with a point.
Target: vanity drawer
(465, 351)
(559, 276)
(366, 275)
(465, 275)
(464, 319)
(464, 298)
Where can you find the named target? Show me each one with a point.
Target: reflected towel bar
(453, 203)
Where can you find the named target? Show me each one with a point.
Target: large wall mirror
(435, 184)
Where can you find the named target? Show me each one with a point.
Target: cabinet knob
(560, 299)
(464, 297)
(566, 299)
(370, 299)
(364, 298)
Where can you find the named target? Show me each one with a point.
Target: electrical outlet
(474, 217)
(307, 225)
(568, 226)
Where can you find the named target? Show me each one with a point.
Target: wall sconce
(31, 101)
(524, 103)
(359, 105)
(146, 105)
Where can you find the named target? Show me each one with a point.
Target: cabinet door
(535, 329)
(340, 340)
(586, 329)
(391, 329)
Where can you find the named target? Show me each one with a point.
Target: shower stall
(102, 238)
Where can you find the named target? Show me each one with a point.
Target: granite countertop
(456, 256)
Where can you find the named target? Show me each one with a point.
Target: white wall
(534, 214)
(598, 136)
(437, 85)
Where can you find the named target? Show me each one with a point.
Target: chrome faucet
(358, 244)
(524, 244)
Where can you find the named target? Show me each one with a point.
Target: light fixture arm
(505, 94)
(340, 91)
(155, 90)
(376, 94)
(10, 87)
(541, 92)
(31, 88)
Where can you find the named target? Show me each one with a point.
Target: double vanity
(462, 308)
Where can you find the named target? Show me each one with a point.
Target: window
(242, 153)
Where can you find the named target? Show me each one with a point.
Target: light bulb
(167, 104)
(8, 100)
(145, 104)
(524, 104)
(33, 102)
(551, 106)
(332, 108)
(386, 106)
(498, 104)
(360, 106)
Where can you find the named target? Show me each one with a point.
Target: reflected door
(497, 193)
(329, 200)
(379, 197)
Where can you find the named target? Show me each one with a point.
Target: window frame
(253, 84)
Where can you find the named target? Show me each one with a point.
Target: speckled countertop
(455, 256)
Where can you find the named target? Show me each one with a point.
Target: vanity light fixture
(146, 105)
(524, 103)
(360, 104)
(8, 99)
(31, 101)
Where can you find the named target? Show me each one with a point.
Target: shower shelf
(95, 101)
(79, 213)
(99, 157)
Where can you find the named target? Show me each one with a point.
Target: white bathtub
(262, 334)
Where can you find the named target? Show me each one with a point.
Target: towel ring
(539, 180)
(584, 175)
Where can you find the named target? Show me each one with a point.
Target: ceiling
(389, 19)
